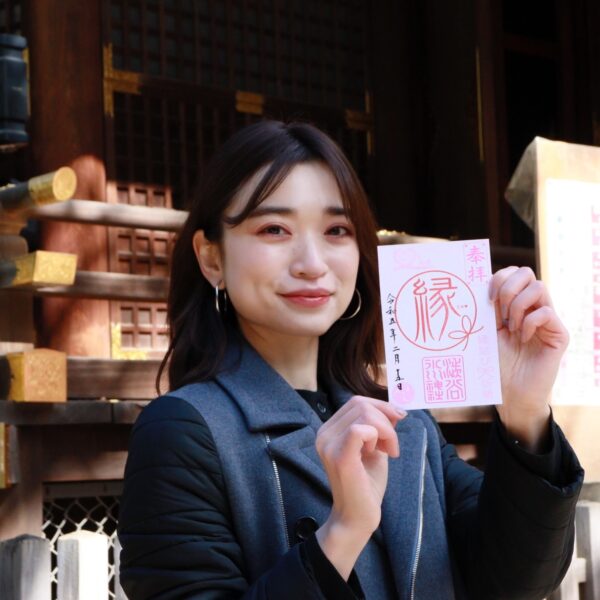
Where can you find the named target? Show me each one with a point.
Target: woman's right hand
(354, 447)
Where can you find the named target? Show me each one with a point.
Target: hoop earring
(217, 303)
(357, 308)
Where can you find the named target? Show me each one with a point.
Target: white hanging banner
(572, 274)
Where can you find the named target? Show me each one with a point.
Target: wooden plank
(25, 568)
(505, 256)
(105, 378)
(9, 457)
(107, 286)
(83, 566)
(126, 413)
(74, 412)
(588, 546)
(117, 215)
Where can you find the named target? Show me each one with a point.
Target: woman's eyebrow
(260, 211)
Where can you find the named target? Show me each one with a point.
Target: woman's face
(290, 268)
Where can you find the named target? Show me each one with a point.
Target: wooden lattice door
(138, 329)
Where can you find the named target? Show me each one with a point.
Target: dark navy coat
(221, 472)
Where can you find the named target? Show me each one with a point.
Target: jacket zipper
(279, 491)
(420, 522)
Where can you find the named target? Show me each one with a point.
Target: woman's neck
(294, 358)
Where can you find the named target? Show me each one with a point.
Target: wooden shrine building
(433, 101)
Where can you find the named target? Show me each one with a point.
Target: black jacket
(175, 522)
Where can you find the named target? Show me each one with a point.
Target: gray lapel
(270, 404)
(400, 508)
(266, 400)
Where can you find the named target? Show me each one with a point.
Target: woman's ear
(208, 255)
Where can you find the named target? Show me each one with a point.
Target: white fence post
(569, 587)
(83, 566)
(119, 593)
(588, 546)
(25, 568)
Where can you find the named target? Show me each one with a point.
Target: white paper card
(441, 345)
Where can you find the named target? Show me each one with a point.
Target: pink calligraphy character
(477, 273)
(421, 310)
(474, 254)
(438, 301)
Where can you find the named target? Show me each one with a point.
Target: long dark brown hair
(351, 350)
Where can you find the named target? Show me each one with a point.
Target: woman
(275, 468)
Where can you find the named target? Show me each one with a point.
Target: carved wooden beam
(110, 286)
(106, 378)
(18, 198)
(118, 215)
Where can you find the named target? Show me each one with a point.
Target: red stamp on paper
(444, 379)
(436, 310)
(403, 393)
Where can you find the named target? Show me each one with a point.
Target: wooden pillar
(400, 142)
(66, 128)
(21, 505)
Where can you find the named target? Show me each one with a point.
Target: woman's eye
(273, 230)
(339, 231)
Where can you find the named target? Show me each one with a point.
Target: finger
(368, 414)
(359, 437)
(499, 323)
(533, 296)
(498, 278)
(392, 413)
(545, 322)
(515, 283)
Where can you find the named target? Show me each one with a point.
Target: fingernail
(511, 325)
(401, 412)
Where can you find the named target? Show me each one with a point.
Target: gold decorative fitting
(116, 80)
(116, 350)
(361, 121)
(44, 268)
(249, 103)
(38, 375)
(356, 119)
(56, 186)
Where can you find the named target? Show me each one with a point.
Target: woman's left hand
(531, 342)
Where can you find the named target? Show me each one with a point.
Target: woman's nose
(308, 260)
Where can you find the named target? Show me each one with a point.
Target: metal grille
(10, 16)
(90, 506)
(166, 141)
(310, 51)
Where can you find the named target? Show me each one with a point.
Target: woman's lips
(309, 299)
